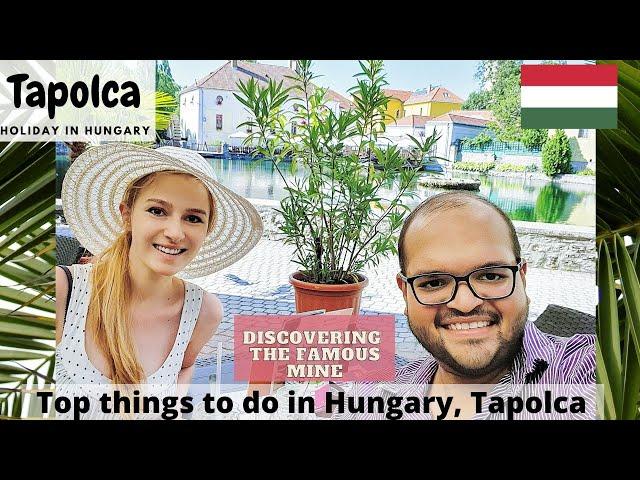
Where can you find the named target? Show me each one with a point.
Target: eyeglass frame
(465, 278)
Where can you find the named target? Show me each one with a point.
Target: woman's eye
(194, 219)
(156, 211)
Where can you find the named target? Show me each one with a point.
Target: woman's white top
(76, 375)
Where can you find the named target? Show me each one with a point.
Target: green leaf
(19, 355)
(4, 378)
(609, 325)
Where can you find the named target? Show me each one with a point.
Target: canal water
(528, 200)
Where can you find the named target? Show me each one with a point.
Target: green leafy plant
(534, 138)
(511, 167)
(617, 236)
(27, 261)
(482, 167)
(556, 155)
(480, 141)
(335, 213)
(587, 172)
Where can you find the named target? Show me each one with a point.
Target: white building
(450, 127)
(210, 113)
(454, 126)
(409, 125)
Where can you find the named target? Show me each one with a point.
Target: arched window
(219, 100)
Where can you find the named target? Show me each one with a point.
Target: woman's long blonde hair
(108, 315)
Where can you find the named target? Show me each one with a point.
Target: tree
(503, 76)
(556, 154)
(501, 80)
(479, 100)
(164, 79)
(167, 93)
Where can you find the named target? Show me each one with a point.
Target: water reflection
(521, 199)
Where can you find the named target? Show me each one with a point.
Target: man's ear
(125, 213)
(523, 274)
(402, 286)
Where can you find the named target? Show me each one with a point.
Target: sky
(455, 75)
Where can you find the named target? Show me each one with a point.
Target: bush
(556, 155)
(511, 167)
(482, 167)
(587, 172)
(479, 141)
(533, 138)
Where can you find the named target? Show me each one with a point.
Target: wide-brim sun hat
(96, 181)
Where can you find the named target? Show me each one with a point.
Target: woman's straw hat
(96, 181)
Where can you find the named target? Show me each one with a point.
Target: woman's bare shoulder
(208, 320)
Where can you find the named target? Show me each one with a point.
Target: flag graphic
(569, 96)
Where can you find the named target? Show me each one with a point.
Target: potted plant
(336, 213)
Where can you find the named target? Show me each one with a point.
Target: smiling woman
(148, 215)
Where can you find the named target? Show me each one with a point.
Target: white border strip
(569, 97)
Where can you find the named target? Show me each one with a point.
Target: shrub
(335, 213)
(534, 138)
(587, 172)
(479, 141)
(556, 155)
(511, 167)
(482, 167)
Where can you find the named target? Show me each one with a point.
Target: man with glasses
(463, 279)
(464, 284)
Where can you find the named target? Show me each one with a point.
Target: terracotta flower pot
(314, 296)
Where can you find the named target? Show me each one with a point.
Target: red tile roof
(482, 114)
(401, 95)
(226, 77)
(462, 117)
(411, 120)
(438, 94)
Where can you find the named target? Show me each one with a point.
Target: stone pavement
(258, 284)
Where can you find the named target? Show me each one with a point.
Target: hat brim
(96, 181)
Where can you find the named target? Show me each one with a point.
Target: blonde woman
(148, 215)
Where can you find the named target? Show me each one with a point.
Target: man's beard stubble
(502, 358)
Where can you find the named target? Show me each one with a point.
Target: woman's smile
(168, 250)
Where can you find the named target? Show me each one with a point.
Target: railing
(241, 150)
(507, 148)
(200, 147)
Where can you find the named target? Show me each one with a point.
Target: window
(249, 127)
(583, 133)
(218, 122)
(219, 100)
(397, 113)
(420, 110)
(445, 94)
(294, 129)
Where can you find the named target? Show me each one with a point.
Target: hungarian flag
(569, 96)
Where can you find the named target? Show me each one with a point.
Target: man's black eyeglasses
(487, 283)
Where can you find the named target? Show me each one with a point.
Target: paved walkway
(258, 284)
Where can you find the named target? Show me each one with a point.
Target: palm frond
(27, 261)
(618, 232)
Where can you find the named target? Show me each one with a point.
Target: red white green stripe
(569, 96)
